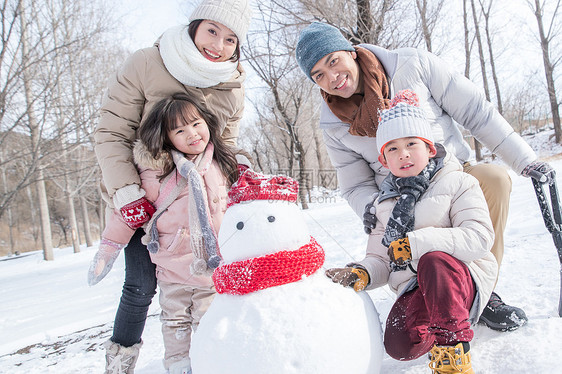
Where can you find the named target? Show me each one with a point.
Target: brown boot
(119, 359)
(450, 360)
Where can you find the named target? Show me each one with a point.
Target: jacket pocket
(178, 241)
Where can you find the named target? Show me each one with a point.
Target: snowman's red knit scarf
(242, 277)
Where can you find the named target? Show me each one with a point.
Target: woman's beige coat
(141, 82)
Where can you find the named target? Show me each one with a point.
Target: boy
(431, 244)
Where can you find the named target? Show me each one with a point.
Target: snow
(52, 322)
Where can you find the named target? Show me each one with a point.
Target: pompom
(198, 266)
(153, 246)
(405, 96)
(213, 262)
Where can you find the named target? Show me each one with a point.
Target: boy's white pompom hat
(234, 14)
(403, 119)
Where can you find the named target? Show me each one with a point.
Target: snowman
(275, 311)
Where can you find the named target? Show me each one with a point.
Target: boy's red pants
(436, 312)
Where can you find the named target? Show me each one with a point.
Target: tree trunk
(46, 236)
(364, 21)
(422, 9)
(549, 72)
(303, 178)
(86, 221)
(73, 224)
(33, 213)
(466, 42)
(490, 51)
(35, 146)
(101, 208)
(8, 209)
(477, 146)
(318, 144)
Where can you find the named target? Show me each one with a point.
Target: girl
(185, 169)
(200, 60)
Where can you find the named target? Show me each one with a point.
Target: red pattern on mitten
(137, 213)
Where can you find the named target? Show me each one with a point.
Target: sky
(145, 20)
(52, 322)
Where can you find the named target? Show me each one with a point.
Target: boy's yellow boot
(450, 360)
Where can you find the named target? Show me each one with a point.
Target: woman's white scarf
(184, 61)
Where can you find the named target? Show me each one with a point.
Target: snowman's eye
(271, 218)
(240, 225)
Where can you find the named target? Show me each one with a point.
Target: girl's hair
(180, 108)
(192, 30)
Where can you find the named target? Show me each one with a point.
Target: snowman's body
(306, 327)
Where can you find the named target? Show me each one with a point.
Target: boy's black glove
(369, 217)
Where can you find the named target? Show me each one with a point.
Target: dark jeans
(138, 291)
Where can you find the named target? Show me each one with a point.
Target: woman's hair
(192, 29)
(180, 108)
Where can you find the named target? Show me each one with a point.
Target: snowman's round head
(262, 218)
(261, 227)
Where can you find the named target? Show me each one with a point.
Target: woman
(200, 60)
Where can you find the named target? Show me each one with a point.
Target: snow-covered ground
(52, 322)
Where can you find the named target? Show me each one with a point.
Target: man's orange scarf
(361, 111)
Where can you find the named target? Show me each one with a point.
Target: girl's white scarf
(184, 61)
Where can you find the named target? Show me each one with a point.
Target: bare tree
(549, 61)
(428, 19)
(467, 43)
(270, 53)
(525, 102)
(73, 37)
(388, 23)
(477, 146)
(486, 13)
(4, 180)
(35, 136)
(50, 91)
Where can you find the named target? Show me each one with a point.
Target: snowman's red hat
(256, 186)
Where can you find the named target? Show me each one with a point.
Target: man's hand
(369, 217)
(540, 171)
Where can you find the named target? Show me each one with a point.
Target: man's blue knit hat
(316, 41)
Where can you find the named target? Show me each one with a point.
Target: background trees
(52, 54)
(56, 55)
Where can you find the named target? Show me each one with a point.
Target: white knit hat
(234, 14)
(403, 119)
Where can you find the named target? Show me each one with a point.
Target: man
(356, 84)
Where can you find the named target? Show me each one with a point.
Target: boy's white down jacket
(452, 217)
